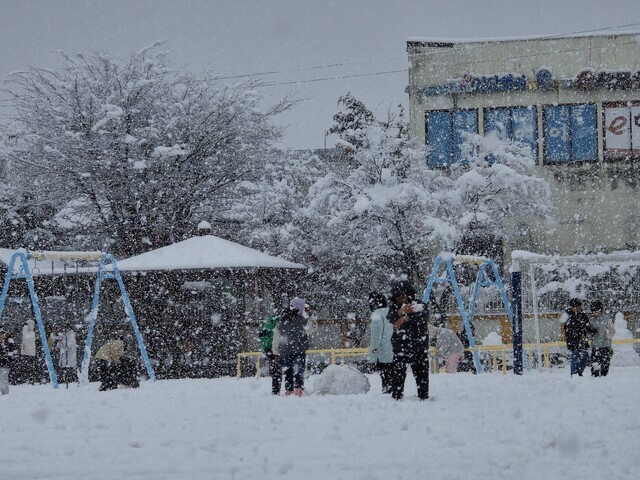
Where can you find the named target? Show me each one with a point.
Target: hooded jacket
(292, 334)
(112, 351)
(413, 334)
(266, 333)
(577, 330)
(447, 342)
(380, 349)
(605, 331)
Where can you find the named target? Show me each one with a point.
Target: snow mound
(341, 380)
(492, 339)
(624, 355)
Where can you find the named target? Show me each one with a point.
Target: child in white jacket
(380, 349)
(449, 346)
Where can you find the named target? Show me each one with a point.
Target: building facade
(575, 101)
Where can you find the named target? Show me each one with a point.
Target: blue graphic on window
(570, 133)
(464, 121)
(525, 128)
(557, 134)
(439, 138)
(446, 134)
(517, 124)
(584, 137)
(498, 121)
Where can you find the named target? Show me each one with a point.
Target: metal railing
(498, 354)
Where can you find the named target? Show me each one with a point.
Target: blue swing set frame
(107, 269)
(482, 280)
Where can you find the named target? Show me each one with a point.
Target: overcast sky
(239, 37)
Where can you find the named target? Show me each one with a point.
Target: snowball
(341, 380)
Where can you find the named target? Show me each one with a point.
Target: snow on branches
(383, 211)
(142, 150)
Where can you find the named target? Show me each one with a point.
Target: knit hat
(575, 302)
(298, 304)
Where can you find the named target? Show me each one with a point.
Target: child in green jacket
(266, 345)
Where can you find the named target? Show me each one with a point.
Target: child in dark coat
(410, 339)
(577, 329)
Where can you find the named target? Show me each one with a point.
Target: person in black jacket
(410, 339)
(292, 345)
(8, 353)
(577, 330)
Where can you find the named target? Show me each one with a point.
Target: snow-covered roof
(617, 257)
(202, 253)
(444, 41)
(198, 253)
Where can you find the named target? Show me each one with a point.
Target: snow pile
(341, 380)
(492, 338)
(623, 353)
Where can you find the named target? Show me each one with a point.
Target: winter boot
(288, 393)
(297, 392)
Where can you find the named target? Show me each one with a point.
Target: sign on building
(622, 130)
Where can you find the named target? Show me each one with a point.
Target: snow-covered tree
(266, 209)
(497, 182)
(133, 153)
(376, 219)
(352, 123)
(26, 222)
(388, 213)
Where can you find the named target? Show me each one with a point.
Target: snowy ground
(538, 426)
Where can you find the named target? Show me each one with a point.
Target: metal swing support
(22, 257)
(108, 269)
(482, 280)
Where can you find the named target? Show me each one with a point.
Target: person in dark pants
(292, 344)
(266, 345)
(577, 330)
(410, 339)
(467, 363)
(601, 351)
(114, 367)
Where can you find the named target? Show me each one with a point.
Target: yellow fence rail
(498, 354)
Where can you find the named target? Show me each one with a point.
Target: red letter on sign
(617, 124)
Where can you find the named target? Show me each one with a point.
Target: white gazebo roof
(203, 253)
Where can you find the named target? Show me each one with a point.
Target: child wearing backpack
(266, 333)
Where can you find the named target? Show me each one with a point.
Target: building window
(621, 130)
(445, 134)
(518, 124)
(570, 133)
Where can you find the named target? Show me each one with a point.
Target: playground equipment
(483, 279)
(613, 278)
(108, 269)
(20, 268)
(24, 272)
